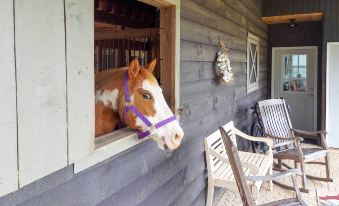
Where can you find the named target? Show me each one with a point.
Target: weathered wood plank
(206, 35)
(196, 13)
(8, 111)
(107, 34)
(254, 6)
(200, 200)
(168, 48)
(194, 71)
(192, 51)
(246, 12)
(156, 177)
(333, 19)
(37, 188)
(41, 88)
(80, 77)
(191, 192)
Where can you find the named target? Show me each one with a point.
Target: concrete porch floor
(232, 197)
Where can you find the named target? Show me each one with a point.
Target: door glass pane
(294, 72)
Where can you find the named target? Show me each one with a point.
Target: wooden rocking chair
(277, 125)
(242, 181)
(219, 169)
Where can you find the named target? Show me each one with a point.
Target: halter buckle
(128, 104)
(152, 129)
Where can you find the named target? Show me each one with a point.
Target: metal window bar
(117, 49)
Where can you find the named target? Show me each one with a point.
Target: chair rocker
(219, 169)
(242, 180)
(277, 125)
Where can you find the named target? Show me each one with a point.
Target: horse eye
(146, 96)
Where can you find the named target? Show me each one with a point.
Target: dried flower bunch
(224, 69)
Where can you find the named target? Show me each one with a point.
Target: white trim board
(315, 48)
(328, 90)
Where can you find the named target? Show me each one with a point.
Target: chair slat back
(214, 141)
(237, 169)
(229, 129)
(276, 120)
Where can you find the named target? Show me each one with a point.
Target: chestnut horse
(145, 96)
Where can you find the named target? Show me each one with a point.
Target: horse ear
(150, 66)
(134, 68)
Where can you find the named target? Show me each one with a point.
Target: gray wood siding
(143, 175)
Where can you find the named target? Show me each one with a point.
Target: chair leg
(270, 183)
(295, 164)
(255, 193)
(279, 163)
(303, 180)
(328, 170)
(210, 192)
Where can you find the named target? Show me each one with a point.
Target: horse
(132, 96)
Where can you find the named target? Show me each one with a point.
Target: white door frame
(315, 48)
(329, 44)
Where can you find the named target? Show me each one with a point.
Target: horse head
(147, 98)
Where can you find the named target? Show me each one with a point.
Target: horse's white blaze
(107, 97)
(162, 111)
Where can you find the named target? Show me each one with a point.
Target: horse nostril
(166, 147)
(177, 138)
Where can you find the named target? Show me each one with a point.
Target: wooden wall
(330, 33)
(143, 175)
(206, 103)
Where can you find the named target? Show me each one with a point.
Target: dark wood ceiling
(127, 13)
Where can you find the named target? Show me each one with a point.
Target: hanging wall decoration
(224, 69)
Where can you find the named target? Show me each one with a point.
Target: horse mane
(108, 73)
(105, 77)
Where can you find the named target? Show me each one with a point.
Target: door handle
(311, 94)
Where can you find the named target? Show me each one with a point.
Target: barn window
(129, 29)
(123, 31)
(252, 63)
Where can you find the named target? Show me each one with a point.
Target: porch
(232, 197)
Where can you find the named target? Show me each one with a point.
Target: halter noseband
(151, 128)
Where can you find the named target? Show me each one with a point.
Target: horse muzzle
(173, 142)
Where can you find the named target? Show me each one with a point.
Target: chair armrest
(316, 133)
(253, 168)
(285, 138)
(268, 141)
(275, 176)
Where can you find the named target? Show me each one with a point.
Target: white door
(332, 94)
(294, 77)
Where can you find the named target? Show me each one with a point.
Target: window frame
(118, 141)
(252, 39)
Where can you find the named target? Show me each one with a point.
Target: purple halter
(129, 106)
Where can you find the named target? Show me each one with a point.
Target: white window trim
(112, 143)
(255, 85)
